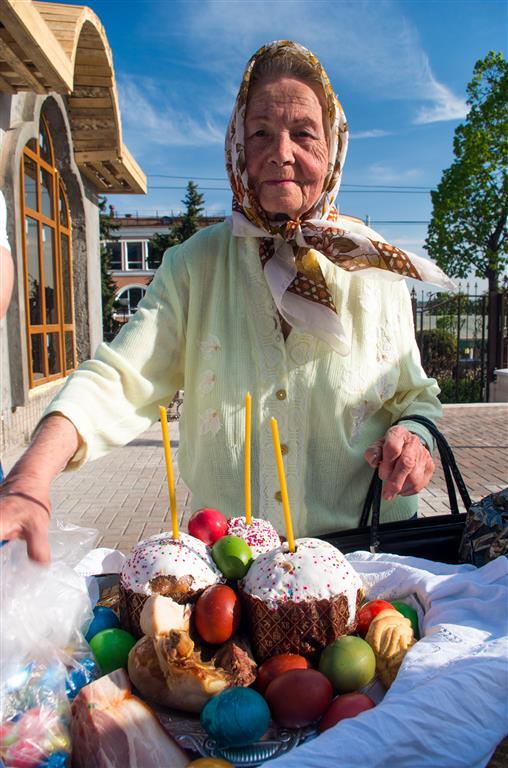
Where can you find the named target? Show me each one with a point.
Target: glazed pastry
(390, 636)
(260, 534)
(300, 602)
(178, 568)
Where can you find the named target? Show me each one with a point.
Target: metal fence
(451, 331)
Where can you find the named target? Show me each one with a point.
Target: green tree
(470, 206)
(108, 288)
(194, 204)
(159, 243)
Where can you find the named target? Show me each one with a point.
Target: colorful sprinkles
(319, 571)
(260, 535)
(161, 555)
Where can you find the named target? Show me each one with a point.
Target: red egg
(299, 697)
(208, 525)
(277, 665)
(217, 614)
(367, 612)
(342, 707)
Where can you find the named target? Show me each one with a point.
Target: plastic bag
(45, 659)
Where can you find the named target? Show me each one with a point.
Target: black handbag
(434, 538)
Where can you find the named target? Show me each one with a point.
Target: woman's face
(285, 145)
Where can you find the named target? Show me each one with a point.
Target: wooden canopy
(51, 47)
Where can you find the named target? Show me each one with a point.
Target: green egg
(409, 613)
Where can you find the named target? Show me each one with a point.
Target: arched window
(126, 302)
(47, 257)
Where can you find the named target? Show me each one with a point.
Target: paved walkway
(125, 496)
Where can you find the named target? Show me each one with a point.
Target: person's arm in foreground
(24, 496)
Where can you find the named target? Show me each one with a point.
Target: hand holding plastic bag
(43, 611)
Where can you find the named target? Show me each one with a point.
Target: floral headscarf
(290, 251)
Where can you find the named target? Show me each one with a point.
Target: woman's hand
(24, 514)
(404, 463)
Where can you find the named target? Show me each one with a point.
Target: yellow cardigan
(208, 325)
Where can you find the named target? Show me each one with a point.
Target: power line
(369, 191)
(345, 184)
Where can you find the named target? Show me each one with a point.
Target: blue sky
(400, 69)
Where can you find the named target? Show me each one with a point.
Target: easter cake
(300, 602)
(259, 534)
(178, 568)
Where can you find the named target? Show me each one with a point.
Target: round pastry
(260, 535)
(178, 568)
(301, 601)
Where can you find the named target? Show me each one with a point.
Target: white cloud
(379, 173)
(369, 44)
(374, 133)
(149, 118)
(445, 106)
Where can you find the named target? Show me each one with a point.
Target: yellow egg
(210, 762)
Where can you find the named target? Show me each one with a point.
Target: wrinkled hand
(26, 516)
(404, 463)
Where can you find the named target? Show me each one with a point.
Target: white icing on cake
(260, 535)
(315, 571)
(161, 555)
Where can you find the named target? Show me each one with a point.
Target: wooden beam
(34, 37)
(6, 87)
(138, 183)
(20, 68)
(97, 155)
(89, 173)
(89, 80)
(92, 103)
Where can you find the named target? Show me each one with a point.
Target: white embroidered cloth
(448, 707)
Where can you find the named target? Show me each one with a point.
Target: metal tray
(187, 731)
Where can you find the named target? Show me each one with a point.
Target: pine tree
(108, 288)
(159, 243)
(194, 205)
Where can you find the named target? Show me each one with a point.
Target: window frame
(125, 252)
(123, 289)
(58, 229)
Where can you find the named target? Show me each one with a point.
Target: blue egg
(236, 717)
(103, 618)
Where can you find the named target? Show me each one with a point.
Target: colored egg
(210, 762)
(233, 556)
(103, 618)
(349, 663)
(409, 613)
(236, 717)
(111, 648)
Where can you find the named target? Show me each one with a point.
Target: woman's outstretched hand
(404, 463)
(24, 514)
(25, 507)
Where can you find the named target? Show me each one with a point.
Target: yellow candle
(283, 486)
(247, 482)
(169, 470)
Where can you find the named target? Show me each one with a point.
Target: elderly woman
(302, 307)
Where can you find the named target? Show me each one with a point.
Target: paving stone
(125, 494)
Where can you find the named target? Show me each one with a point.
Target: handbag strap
(451, 473)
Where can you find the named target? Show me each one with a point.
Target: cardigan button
(281, 394)
(278, 496)
(284, 449)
